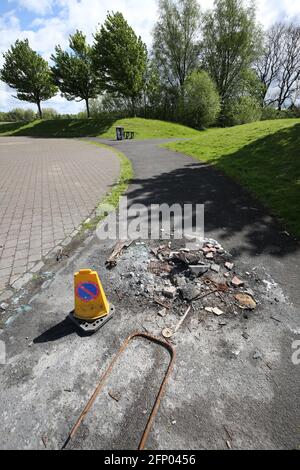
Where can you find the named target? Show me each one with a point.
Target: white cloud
(88, 14)
(40, 7)
(270, 11)
(48, 29)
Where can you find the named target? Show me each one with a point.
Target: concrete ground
(47, 188)
(227, 389)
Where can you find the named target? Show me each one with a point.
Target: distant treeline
(27, 115)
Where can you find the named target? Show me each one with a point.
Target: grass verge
(264, 157)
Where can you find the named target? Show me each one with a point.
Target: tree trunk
(182, 102)
(40, 110)
(87, 107)
(133, 107)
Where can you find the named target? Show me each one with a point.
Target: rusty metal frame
(168, 346)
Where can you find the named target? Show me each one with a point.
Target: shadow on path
(61, 330)
(232, 215)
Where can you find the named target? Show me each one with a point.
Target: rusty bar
(108, 371)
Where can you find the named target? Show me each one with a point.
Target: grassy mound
(144, 128)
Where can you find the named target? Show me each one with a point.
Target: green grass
(152, 129)
(106, 128)
(264, 157)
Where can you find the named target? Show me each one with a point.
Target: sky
(47, 23)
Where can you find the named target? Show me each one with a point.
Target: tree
(242, 110)
(230, 39)
(153, 91)
(110, 103)
(202, 100)
(28, 73)
(279, 64)
(50, 113)
(73, 71)
(176, 43)
(269, 61)
(120, 58)
(289, 74)
(249, 84)
(19, 114)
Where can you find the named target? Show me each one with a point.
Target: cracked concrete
(52, 370)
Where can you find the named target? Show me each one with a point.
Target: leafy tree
(242, 110)
(73, 71)
(18, 114)
(50, 113)
(110, 103)
(28, 73)
(120, 58)
(270, 113)
(249, 84)
(176, 44)
(294, 111)
(202, 100)
(230, 43)
(153, 91)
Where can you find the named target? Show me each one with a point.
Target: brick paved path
(47, 188)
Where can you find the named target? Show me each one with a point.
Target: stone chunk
(190, 291)
(215, 310)
(170, 292)
(236, 282)
(163, 312)
(215, 267)
(229, 266)
(199, 269)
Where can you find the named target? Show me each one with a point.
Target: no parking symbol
(87, 291)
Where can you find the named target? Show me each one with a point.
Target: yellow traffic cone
(91, 305)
